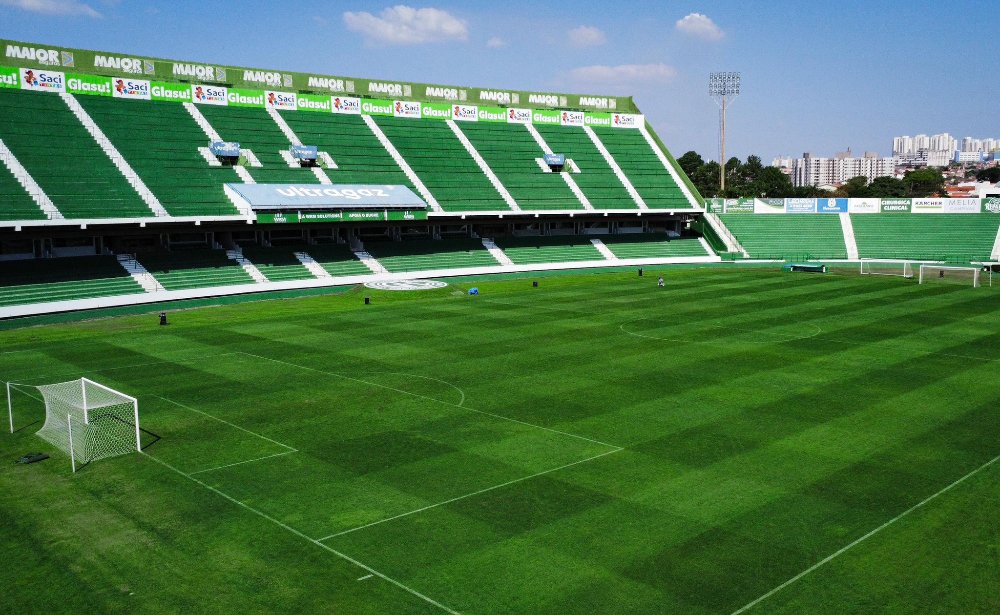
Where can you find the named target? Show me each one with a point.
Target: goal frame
(906, 265)
(974, 270)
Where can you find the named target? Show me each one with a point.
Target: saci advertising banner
(777, 206)
(88, 84)
(42, 80)
(280, 100)
(209, 95)
(798, 206)
(465, 113)
(135, 89)
(572, 118)
(405, 108)
(831, 206)
(348, 106)
(303, 196)
(519, 116)
(627, 120)
(864, 206)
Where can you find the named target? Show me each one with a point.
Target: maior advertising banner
(306, 196)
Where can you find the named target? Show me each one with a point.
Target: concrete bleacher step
(483, 166)
(294, 140)
(28, 183)
(995, 254)
(139, 273)
(209, 157)
(543, 144)
(250, 268)
(669, 167)
(371, 262)
(614, 167)
(732, 244)
(603, 249)
(497, 253)
(849, 240)
(310, 263)
(401, 162)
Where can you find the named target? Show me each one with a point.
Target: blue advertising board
(304, 152)
(225, 148)
(831, 206)
(555, 159)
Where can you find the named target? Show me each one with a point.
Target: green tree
(690, 163)
(706, 179)
(886, 188)
(771, 183)
(856, 187)
(989, 174)
(924, 182)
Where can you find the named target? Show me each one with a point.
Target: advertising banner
(991, 205)
(347, 106)
(544, 116)
(716, 206)
(739, 206)
(465, 113)
(171, 91)
(88, 84)
(280, 100)
(798, 206)
(42, 80)
(230, 149)
(9, 77)
(136, 89)
(896, 206)
(519, 116)
(598, 119)
(209, 95)
(246, 98)
(302, 196)
(304, 152)
(928, 206)
(376, 107)
(627, 120)
(777, 206)
(405, 108)
(864, 206)
(962, 206)
(313, 102)
(436, 111)
(572, 118)
(831, 206)
(492, 114)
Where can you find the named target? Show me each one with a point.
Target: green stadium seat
(538, 250)
(193, 269)
(596, 178)
(652, 245)
(788, 236)
(44, 280)
(337, 259)
(643, 168)
(427, 255)
(957, 238)
(278, 264)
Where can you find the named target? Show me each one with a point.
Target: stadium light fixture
(723, 88)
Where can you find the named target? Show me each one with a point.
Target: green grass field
(741, 440)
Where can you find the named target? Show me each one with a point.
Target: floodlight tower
(721, 86)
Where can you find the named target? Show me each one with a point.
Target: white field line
(469, 495)
(252, 433)
(447, 403)
(366, 577)
(364, 567)
(110, 369)
(239, 463)
(18, 388)
(841, 551)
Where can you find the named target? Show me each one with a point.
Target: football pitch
(739, 441)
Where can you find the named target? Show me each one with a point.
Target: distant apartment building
(944, 142)
(811, 170)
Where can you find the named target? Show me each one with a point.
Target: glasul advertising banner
(831, 206)
(171, 92)
(544, 116)
(896, 206)
(777, 206)
(313, 102)
(598, 119)
(9, 77)
(135, 89)
(492, 114)
(436, 111)
(799, 206)
(87, 84)
(864, 206)
(245, 98)
(377, 107)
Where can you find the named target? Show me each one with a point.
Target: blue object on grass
(473, 291)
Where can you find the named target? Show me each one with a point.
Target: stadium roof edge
(112, 64)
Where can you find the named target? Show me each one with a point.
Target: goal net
(873, 266)
(88, 421)
(940, 274)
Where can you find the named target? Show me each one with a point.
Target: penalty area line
(846, 548)
(289, 528)
(239, 463)
(469, 495)
(215, 418)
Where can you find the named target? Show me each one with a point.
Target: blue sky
(817, 76)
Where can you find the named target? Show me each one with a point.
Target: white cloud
(402, 25)
(586, 36)
(53, 7)
(623, 74)
(496, 43)
(701, 27)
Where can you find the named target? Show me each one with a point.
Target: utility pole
(723, 88)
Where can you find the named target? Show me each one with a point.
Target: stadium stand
(60, 279)
(360, 158)
(193, 269)
(957, 238)
(402, 256)
(254, 129)
(278, 264)
(535, 250)
(643, 168)
(512, 154)
(15, 202)
(64, 158)
(652, 246)
(337, 259)
(440, 161)
(596, 178)
(166, 157)
(788, 236)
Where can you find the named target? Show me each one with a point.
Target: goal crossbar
(887, 266)
(927, 274)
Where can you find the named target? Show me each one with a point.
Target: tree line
(751, 179)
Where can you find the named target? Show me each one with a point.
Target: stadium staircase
(614, 167)
(955, 238)
(190, 269)
(320, 174)
(849, 239)
(212, 135)
(236, 254)
(646, 167)
(311, 265)
(603, 249)
(21, 198)
(654, 246)
(279, 264)
(497, 253)
(337, 259)
(370, 262)
(142, 277)
(403, 164)
(789, 236)
(434, 153)
(995, 254)
(45, 280)
(535, 250)
(596, 179)
(483, 166)
(732, 244)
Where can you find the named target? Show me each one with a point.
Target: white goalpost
(965, 276)
(87, 420)
(891, 267)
